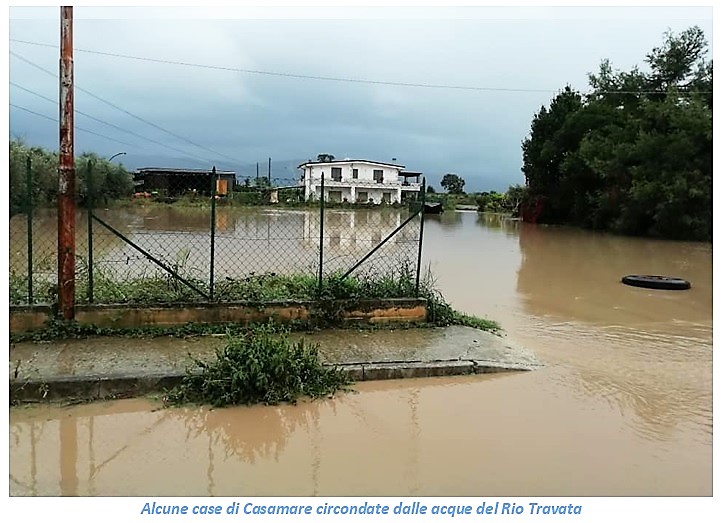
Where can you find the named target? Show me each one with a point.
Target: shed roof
(181, 172)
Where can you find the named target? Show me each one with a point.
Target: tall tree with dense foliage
(452, 183)
(634, 155)
(110, 180)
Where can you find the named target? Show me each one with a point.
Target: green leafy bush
(260, 366)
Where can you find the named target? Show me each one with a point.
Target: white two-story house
(359, 181)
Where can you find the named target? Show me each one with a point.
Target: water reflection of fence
(85, 454)
(202, 242)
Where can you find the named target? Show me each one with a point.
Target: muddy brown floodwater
(623, 406)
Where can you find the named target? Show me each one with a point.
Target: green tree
(324, 157)
(634, 155)
(514, 197)
(679, 61)
(552, 138)
(44, 166)
(110, 181)
(490, 202)
(452, 183)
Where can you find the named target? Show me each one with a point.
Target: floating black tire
(656, 282)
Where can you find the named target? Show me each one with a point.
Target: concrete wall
(25, 319)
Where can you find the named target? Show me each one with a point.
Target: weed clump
(442, 314)
(260, 366)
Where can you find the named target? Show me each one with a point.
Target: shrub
(260, 366)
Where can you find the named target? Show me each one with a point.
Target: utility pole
(269, 184)
(66, 172)
(257, 172)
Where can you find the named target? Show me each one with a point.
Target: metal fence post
(89, 204)
(29, 203)
(322, 220)
(213, 184)
(420, 235)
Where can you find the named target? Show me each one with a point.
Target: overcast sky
(246, 117)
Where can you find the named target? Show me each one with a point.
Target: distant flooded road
(623, 406)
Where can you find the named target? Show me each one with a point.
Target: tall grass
(258, 289)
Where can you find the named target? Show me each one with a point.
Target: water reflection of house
(358, 229)
(177, 182)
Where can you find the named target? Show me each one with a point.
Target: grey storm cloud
(532, 53)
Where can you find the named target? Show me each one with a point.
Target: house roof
(347, 161)
(410, 173)
(180, 172)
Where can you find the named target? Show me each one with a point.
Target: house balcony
(368, 184)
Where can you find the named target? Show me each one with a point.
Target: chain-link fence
(198, 235)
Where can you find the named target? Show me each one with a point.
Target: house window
(386, 197)
(378, 175)
(335, 174)
(362, 197)
(355, 174)
(334, 196)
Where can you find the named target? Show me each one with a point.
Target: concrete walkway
(97, 368)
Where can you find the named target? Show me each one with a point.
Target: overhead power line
(55, 102)
(170, 147)
(133, 133)
(76, 127)
(139, 118)
(328, 78)
(290, 75)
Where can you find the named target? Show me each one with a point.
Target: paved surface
(112, 366)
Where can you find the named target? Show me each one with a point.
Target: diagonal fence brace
(381, 244)
(150, 257)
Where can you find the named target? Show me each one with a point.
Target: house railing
(366, 183)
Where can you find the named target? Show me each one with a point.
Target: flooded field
(248, 241)
(623, 406)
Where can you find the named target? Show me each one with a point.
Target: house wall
(365, 172)
(353, 194)
(350, 188)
